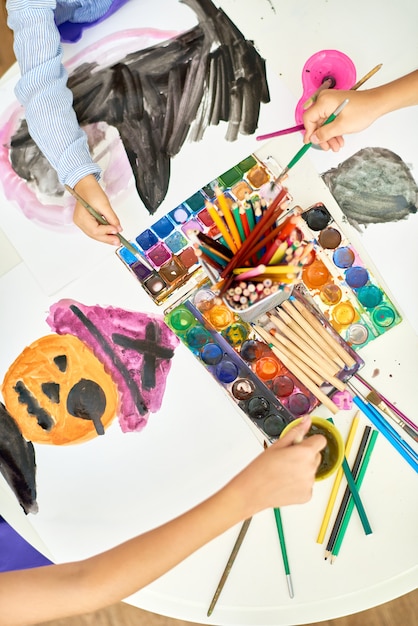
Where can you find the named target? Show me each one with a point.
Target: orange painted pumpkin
(59, 392)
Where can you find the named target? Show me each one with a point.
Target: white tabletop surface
(94, 495)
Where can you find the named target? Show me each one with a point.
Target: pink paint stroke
(110, 320)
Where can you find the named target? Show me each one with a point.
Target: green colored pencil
(355, 494)
(349, 509)
(279, 525)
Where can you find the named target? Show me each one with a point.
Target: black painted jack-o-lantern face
(58, 391)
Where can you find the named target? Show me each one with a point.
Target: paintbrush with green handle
(306, 147)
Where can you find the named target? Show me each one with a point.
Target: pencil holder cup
(322, 65)
(333, 454)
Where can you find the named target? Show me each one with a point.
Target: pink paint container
(320, 66)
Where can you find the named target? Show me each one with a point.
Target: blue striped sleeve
(42, 90)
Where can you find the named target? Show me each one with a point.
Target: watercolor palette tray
(343, 288)
(243, 363)
(170, 264)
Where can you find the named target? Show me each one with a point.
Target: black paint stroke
(17, 462)
(159, 96)
(45, 421)
(87, 400)
(117, 363)
(151, 350)
(373, 186)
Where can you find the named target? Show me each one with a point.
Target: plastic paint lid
(197, 337)
(317, 218)
(282, 386)
(226, 371)
(370, 296)
(243, 388)
(299, 404)
(211, 354)
(343, 257)
(329, 238)
(383, 316)
(344, 313)
(330, 294)
(356, 277)
(357, 334)
(258, 407)
(181, 319)
(273, 425)
(266, 368)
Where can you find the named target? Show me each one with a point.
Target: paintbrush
(388, 403)
(325, 85)
(229, 565)
(306, 147)
(374, 398)
(102, 220)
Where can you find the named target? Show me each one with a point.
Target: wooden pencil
(305, 380)
(328, 338)
(309, 347)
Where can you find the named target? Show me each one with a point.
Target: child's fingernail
(314, 139)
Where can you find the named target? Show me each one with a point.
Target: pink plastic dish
(320, 66)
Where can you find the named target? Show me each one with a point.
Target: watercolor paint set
(274, 366)
(172, 263)
(243, 360)
(344, 289)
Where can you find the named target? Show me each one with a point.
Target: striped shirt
(42, 88)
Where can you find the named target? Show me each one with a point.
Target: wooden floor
(400, 612)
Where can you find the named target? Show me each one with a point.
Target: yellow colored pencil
(221, 226)
(337, 480)
(229, 218)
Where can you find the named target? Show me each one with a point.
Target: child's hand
(359, 113)
(284, 473)
(90, 190)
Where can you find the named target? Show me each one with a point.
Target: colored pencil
(212, 244)
(379, 422)
(337, 481)
(355, 495)
(306, 146)
(228, 217)
(304, 379)
(222, 227)
(346, 496)
(280, 531)
(238, 221)
(347, 515)
(102, 220)
(326, 336)
(229, 565)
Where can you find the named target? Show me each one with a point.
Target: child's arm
(363, 109)
(282, 475)
(48, 103)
